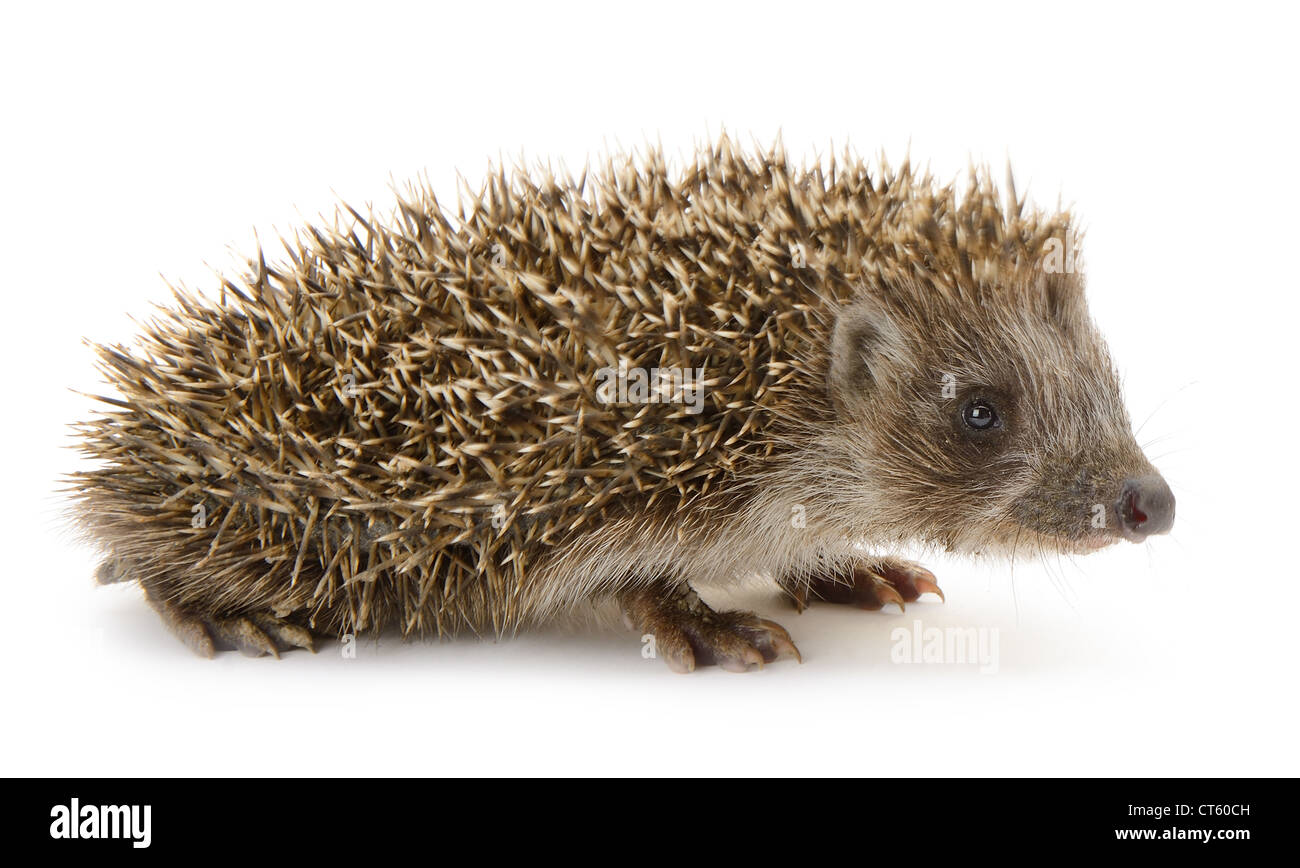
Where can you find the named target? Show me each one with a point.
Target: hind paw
(255, 635)
(871, 585)
(687, 633)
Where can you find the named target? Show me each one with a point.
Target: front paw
(867, 585)
(687, 633)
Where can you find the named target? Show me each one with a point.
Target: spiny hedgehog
(615, 388)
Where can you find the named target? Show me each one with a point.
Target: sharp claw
(784, 648)
(928, 586)
(798, 597)
(779, 641)
(286, 633)
(887, 593)
(260, 643)
(301, 638)
(247, 638)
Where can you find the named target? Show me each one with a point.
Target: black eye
(980, 415)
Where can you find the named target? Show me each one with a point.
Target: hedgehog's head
(990, 418)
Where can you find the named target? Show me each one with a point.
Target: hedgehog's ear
(864, 338)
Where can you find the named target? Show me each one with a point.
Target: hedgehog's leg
(687, 633)
(871, 585)
(253, 636)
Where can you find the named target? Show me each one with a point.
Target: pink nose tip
(1145, 507)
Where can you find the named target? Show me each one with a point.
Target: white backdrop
(149, 142)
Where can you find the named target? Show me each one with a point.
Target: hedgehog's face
(997, 429)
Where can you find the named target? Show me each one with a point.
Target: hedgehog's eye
(980, 415)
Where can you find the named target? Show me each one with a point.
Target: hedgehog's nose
(1145, 506)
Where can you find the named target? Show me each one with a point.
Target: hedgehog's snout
(1145, 506)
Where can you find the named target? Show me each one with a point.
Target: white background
(147, 143)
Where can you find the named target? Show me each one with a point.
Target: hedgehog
(615, 389)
